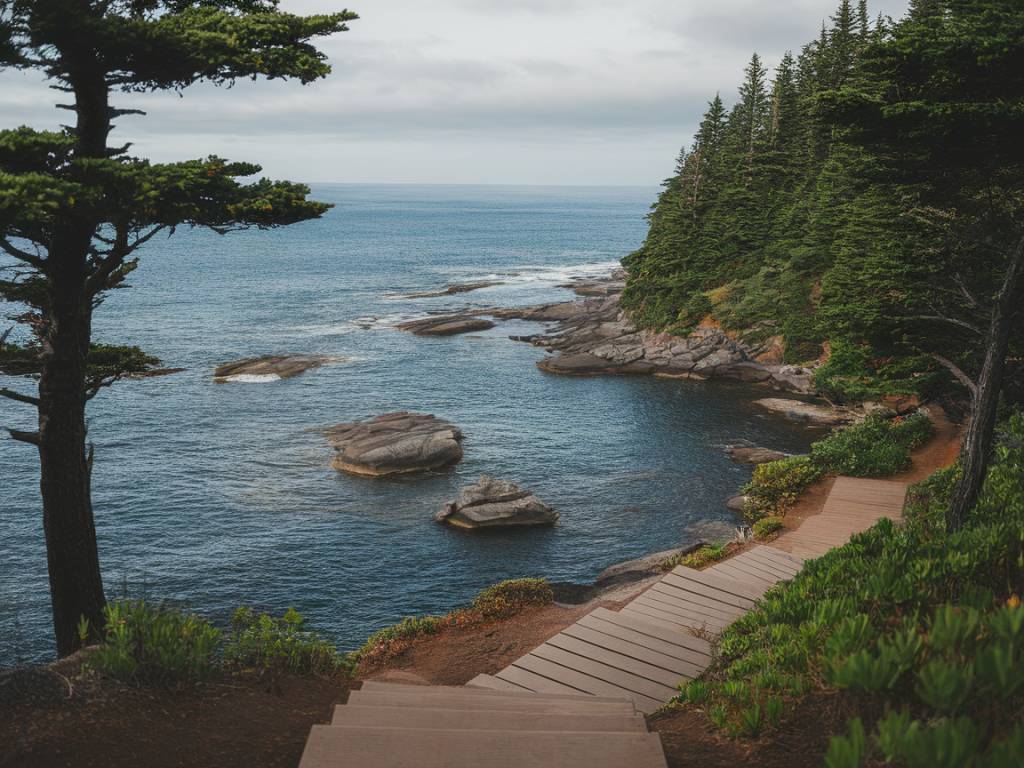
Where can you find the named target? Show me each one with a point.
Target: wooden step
(576, 703)
(492, 683)
(333, 746)
(593, 681)
(487, 719)
(655, 630)
(481, 693)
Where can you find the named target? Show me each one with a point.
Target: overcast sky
(474, 91)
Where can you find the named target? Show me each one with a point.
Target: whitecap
(252, 378)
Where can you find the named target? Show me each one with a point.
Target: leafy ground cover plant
(919, 633)
(700, 557)
(146, 643)
(277, 645)
(875, 447)
(767, 528)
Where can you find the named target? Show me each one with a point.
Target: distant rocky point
(395, 443)
(281, 366)
(491, 503)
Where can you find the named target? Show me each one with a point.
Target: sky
(580, 92)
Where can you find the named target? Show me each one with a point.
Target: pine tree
(75, 212)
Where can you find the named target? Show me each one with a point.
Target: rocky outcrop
(599, 338)
(807, 413)
(446, 325)
(491, 503)
(268, 366)
(737, 502)
(395, 443)
(753, 454)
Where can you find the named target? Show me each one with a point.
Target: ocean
(215, 495)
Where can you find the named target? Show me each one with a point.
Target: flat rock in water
(798, 410)
(447, 325)
(491, 503)
(455, 288)
(737, 502)
(280, 366)
(395, 443)
(753, 454)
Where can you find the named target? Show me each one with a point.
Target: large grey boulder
(395, 443)
(753, 454)
(808, 413)
(491, 503)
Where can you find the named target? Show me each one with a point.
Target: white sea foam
(532, 275)
(252, 378)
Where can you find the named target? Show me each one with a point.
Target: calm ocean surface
(216, 495)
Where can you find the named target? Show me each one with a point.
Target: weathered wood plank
(644, 653)
(685, 647)
(584, 682)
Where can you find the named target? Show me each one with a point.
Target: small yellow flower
(1013, 602)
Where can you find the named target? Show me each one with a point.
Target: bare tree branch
(32, 438)
(951, 320)
(957, 372)
(21, 255)
(10, 394)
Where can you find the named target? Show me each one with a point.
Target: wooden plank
(680, 599)
(380, 686)
(736, 571)
(615, 659)
(492, 683)
(488, 719)
(681, 667)
(729, 586)
(578, 701)
(758, 567)
(670, 589)
(584, 682)
(696, 651)
(691, 585)
(331, 746)
(772, 557)
(541, 684)
(600, 670)
(697, 625)
(631, 619)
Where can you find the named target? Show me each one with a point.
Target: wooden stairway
(576, 700)
(658, 640)
(388, 725)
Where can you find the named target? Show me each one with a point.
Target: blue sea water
(215, 495)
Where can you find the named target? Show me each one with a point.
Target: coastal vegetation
(875, 447)
(75, 210)
(918, 632)
(865, 208)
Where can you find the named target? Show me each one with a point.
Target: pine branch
(957, 372)
(10, 394)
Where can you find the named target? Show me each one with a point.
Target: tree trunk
(76, 587)
(977, 445)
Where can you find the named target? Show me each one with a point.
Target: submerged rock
(491, 503)
(269, 366)
(395, 443)
(455, 288)
(445, 325)
(812, 413)
(753, 454)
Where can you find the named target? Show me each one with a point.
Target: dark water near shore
(217, 495)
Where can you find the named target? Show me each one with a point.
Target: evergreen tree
(75, 211)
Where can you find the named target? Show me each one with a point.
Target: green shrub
(698, 558)
(278, 645)
(142, 643)
(918, 632)
(874, 447)
(767, 528)
(509, 597)
(776, 486)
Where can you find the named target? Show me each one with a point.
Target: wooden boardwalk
(575, 700)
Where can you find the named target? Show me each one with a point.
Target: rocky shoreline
(595, 336)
